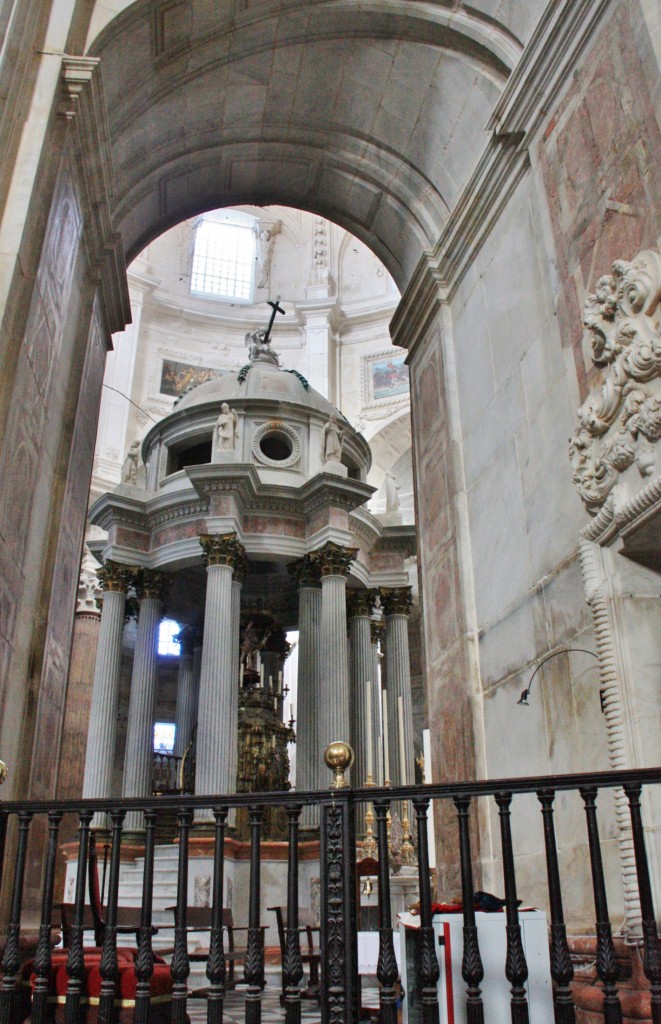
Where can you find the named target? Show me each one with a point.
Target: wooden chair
(198, 919)
(310, 954)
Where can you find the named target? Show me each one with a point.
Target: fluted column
(396, 603)
(377, 637)
(334, 714)
(185, 715)
(308, 754)
(151, 587)
(102, 729)
(239, 572)
(218, 708)
(361, 672)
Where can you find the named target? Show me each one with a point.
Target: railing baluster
(338, 938)
(651, 949)
(76, 960)
(292, 965)
(109, 968)
(607, 966)
(144, 964)
(11, 960)
(216, 961)
(386, 970)
(4, 817)
(472, 970)
(254, 965)
(42, 958)
(562, 971)
(180, 962)
(516, 968)
(431, 971)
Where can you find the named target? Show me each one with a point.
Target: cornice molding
(544, 68)
(523, 109)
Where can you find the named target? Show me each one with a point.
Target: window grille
(224, 256)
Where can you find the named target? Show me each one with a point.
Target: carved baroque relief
(620, 421)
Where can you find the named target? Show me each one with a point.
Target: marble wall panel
(170, 534)
(600, 158)
(64, 586)
(277, 526)
(127, 538)
(29, 453)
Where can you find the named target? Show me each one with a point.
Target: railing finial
(339, 757)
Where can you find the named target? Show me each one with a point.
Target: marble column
(308, 754)
(239, 573)
(102, 729)
(377, 638)
(361, 671)
(185, 715)
(218, 708)
(334, 711)
(151, 588)
(396, 603)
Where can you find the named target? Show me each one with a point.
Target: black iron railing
(338, 939)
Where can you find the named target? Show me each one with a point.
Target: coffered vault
(379, 133)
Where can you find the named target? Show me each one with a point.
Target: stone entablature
(620, 421)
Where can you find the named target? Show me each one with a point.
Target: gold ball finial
(338, 757)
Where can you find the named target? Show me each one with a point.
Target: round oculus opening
(276, 446)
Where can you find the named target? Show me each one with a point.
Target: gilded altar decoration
(620, 421)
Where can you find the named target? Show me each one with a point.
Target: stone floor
(272, 1012)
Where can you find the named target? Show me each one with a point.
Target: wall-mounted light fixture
(523, 699)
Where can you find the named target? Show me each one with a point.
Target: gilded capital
(305, 571)
(152, 583)
(115, 577)
(334, 560)
(360, 602)
(223, 549)
(396, 600)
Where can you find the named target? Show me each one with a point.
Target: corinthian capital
(306, 571)
(115, 577)
(377, 631)
(396, 600)
(334, 560)
(223, 549)
(360, 602)
(153, 583)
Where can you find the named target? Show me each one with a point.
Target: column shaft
(186, 711)
(308, 753)
(102, 730)
(362, 669)
(219, 691)
(399, 685)
(139, 758)
(333, 712)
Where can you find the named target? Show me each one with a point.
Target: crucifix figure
(258, 341)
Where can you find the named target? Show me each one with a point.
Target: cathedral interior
(330, 408)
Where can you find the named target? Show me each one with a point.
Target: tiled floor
(272, 1012)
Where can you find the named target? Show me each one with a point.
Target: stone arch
(269, 106)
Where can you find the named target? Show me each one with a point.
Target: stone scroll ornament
(620, 421)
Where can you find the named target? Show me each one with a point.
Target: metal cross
(277, 308)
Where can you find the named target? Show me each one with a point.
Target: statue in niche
(333, 439)
(227, 429)
(260, 350)
(130, 467)
(392, 493)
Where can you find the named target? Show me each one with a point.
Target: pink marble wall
(445, 659)
(64, 589)
(276, 526)
(178, 531)
(601, 163)
(30, 501)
